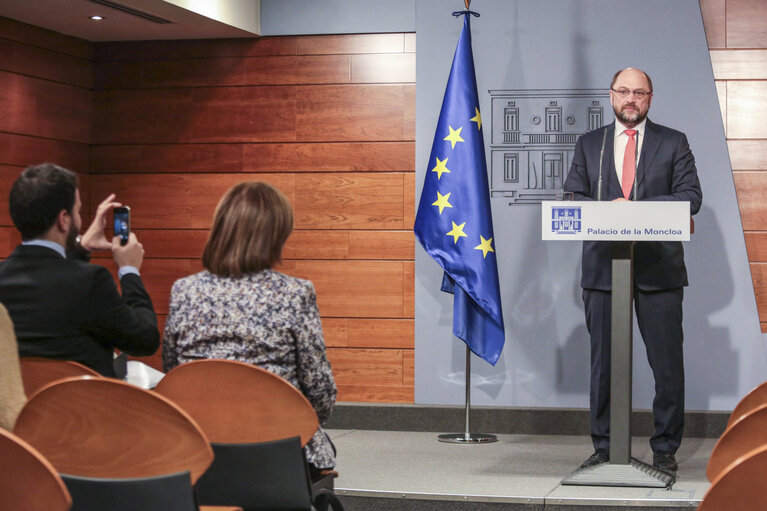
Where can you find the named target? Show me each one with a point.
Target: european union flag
(454, 221)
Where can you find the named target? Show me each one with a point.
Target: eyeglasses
(624, 93)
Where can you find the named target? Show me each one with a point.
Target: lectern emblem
(566, 220)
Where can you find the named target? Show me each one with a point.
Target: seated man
(62, 306)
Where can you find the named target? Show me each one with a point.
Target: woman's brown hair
(250, 226)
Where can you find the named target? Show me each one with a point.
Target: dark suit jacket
(666, 172)
(70, 309)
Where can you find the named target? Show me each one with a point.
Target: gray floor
(523, 469)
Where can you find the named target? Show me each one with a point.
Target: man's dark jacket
(666, 172)
(70, 309)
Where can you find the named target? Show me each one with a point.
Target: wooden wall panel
(392, 68)
(266, 157)
(750, 188)
(759, 276)
(23, 59)
(254, 114)
(33, 36)
(302, 244)
(356, 201)
(354, 112)
(739, 64)
(715, 22)
(756, 244)
(353, 289)
(329, 120)
(746, 109)
(748, 154)
(350, 44)
(45, 109)
(737, 39)
(33, 106)
(366, 366)
(9, 239)
(746, 26)
(25, 150)
(177, 201)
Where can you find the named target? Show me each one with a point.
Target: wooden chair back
(12, 397)
(750, 402)
(236, 403)
(740, 486)
(38, 372)
(745, 435)
(28, 481)
(102, 427)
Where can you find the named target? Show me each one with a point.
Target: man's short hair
(616, 75)
(37, 197)
(250, 226)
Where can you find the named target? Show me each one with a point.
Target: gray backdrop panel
(578, 45)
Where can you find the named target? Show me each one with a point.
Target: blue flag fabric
(454, 221)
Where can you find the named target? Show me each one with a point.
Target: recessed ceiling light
(97, 18)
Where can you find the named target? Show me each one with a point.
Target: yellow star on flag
(442, 202)
(456, 232)
(485, 246)
(454, 136)
(477, 118)
(440, 168)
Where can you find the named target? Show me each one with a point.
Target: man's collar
(620, 127)
(47, 244)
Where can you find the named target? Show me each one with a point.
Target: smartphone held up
(122, 223)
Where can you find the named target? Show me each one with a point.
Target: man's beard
(72, 237)
(625, 118)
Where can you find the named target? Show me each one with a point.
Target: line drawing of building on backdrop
(532, 140)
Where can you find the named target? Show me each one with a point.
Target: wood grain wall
(329, 120)
(737, 39)
(45, 109)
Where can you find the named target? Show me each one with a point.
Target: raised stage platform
(412, 470)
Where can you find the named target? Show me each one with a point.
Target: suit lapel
(650, 147)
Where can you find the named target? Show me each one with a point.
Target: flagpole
(467, 437)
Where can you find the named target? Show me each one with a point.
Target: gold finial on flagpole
(467, 2)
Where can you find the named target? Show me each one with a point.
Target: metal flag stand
(467, 437)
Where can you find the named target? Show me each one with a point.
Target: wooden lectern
(622, 224)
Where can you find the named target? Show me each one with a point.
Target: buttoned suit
(665, 172)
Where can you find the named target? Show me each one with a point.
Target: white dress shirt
(620, 144)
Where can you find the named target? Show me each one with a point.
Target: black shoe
(600, 456)
(664, 460)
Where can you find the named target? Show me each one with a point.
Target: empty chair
(257, 423)
(12, 396)
(751, 401)
(745, 435)
(37, 372)
(740, 486)
(105, 429)
(29, 482)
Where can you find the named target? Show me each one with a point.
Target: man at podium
(636, 159)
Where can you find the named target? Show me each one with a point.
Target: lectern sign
(615, 221)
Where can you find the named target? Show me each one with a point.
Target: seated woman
(12, 397)
(238, 308)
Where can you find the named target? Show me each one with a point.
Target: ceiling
(72, 17)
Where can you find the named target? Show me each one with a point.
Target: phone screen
(122, 223)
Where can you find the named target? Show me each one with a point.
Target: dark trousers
(659, 316)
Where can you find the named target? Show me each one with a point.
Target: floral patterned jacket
(266, 319)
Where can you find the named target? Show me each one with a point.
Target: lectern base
(468, 438)
(635, 473)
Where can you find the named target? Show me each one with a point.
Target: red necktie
(629, 163)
